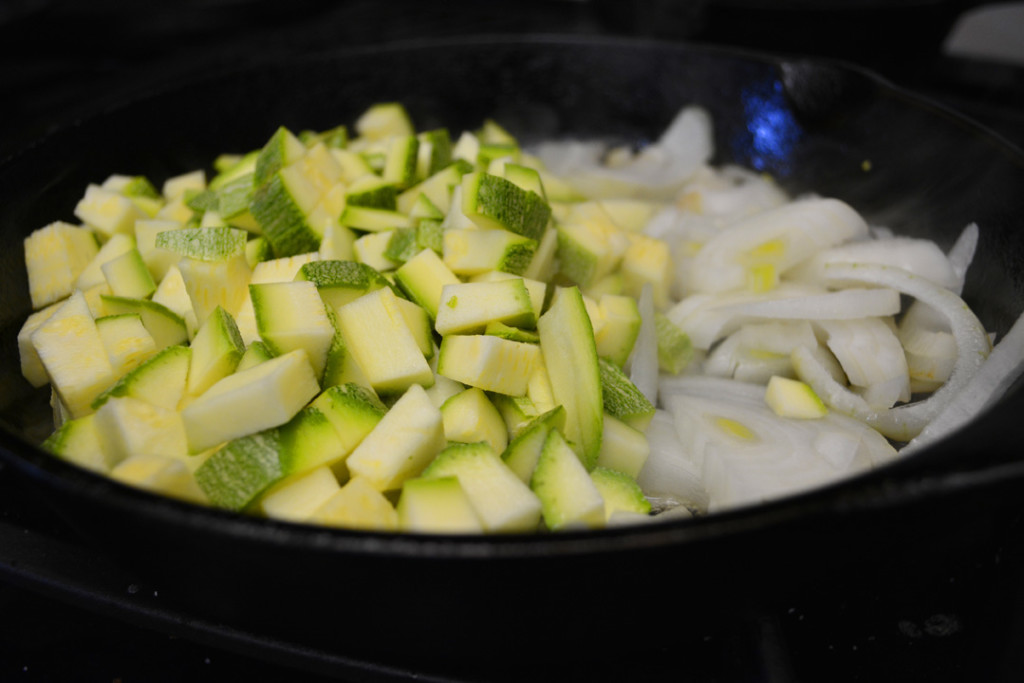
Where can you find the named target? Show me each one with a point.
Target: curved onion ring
(973, 346)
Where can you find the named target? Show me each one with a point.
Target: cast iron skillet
(812, 125)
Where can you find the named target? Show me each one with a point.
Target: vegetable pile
(382, 328)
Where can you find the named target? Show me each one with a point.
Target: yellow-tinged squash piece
(438, 505)
(128, 426)
(31, 367)
(469, 416)
(72, 352)
(376, 332)
(296, 498)
(358, 505)
(488, 362)
(264, 396)
(792, 398)
(159, 474)
(404, 441)
(55, 256)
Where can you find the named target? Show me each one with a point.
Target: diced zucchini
(372, 248)
(402, 444)
(401, 160)
(108, 212)
(296, 497)
(437, 188)
(570, 357)
(126, 340)
(160, 380)
(471, 252)
(282, 206)
(31, 367)
(373, 192)
(438, 505)
(77, 441)
(55, 256)
(674, 347)
(340, 282)
(282, 149)
(435, 151)
(524, 450)
(255, 353)
(129, 426)
(501, 500)
(469, 416)
(204, 244)
(357, 505)
(308, 441)
(488, 362)
(72, 351)
(238, 473)
(216, 350)
(157, 259)
(467, 307)
(263, 397)
(621, 327)
(352, 410)
(423, 277)
(172, 294)
(623, 448)
(129, 276)
(516, 411)
(384, 120)
(620, 492)
(496, 203)
(159, 474)
(376, 333)
(92, 274)
(568, 496)
(291, 315)
(621, 397)
(166, 326)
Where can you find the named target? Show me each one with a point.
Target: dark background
(61, 60)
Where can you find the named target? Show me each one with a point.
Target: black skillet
(812, 125)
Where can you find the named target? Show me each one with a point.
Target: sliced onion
(918, 256)
(995, 376)
(758, 455)
(758, 351)
(906, 421)
(962, 254)
(656, 172)
(930, 355)
(781, 237)
(668, 471)
(707, 319)
(643, 361)
(730, 192)
(872, 358)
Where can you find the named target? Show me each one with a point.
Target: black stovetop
(68, 614)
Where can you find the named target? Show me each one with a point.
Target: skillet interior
(811, 125)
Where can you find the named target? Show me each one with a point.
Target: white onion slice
(918, 256)
(643, 360)
(999, 371)
(962, 254)
(786, 235)
(668, 471)
(906, 421)
(708, 319)
(656, 172)
(748, 454)
(872, 357)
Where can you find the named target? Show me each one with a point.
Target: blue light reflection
(771, 131)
